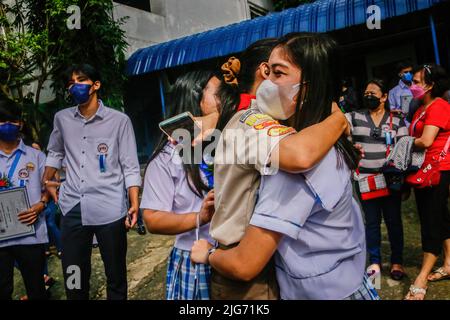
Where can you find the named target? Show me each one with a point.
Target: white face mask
(275, 100)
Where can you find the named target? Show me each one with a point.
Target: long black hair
(185, 96)
(229, 94)
(316, 56)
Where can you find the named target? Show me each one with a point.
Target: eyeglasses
(427, 68)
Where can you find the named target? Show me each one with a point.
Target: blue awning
(319, 16)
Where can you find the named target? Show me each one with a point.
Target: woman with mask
(252, 142)
(310, 220)
(22, 166)
(377, 130)
(174, 191)
(431, 128)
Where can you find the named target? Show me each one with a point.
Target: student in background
(21, 165)
(400, 96)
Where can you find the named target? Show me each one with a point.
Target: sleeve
(159, 187)
(438, 115)
(55, 146)
(41, 164)
(392, 100)
(128, 156)
(349, 116)
(284, 204)
(262, 135)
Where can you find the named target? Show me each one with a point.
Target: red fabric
(371, 182)
(375, 194)
(246, 100)
(437, 114)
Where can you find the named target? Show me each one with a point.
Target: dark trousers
(434, 215)
(76, 256)
(30, 260)
(390, 209)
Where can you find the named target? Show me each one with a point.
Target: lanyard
(102, 165)
(14, 164)
(389, 136)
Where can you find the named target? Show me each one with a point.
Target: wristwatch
(211, 251)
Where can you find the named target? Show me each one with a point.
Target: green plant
(36, 46)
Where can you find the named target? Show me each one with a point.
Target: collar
(246, 100)
(402, 84)
(101, 111)
(21, 147)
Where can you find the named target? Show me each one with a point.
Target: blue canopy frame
(319, 16)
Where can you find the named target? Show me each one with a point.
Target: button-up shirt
(323, 252)
(166, 188)
(31, 168)
(101, 162)
(400, 97)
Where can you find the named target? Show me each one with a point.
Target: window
(256, 10)
(138, 4)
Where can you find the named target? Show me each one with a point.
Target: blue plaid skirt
(366, 292)
(184, 280)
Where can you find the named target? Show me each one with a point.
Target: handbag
(394, 177)
(429, 175)
(373, 186)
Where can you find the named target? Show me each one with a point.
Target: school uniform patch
(276, 131)
(30, 166)
(102, 148)
(266, 124)
(254, 118)
(23, 174)
(247, 114)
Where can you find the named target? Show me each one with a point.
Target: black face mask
(371, 102)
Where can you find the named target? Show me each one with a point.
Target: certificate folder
(12, 202)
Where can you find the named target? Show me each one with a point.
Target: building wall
(172, 19)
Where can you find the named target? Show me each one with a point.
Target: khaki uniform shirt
(242, 156)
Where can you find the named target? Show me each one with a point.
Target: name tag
(102, 149)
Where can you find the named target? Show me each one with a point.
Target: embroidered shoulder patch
(276, 131)
(266, 124)
(247, 114)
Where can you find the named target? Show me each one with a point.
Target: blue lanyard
(14, 164)
(102, 164)
(208, 171)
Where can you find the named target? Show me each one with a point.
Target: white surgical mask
(275, 100)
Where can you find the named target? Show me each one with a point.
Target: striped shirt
(373, 138)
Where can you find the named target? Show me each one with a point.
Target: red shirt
(246, 100)
(438, 115)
